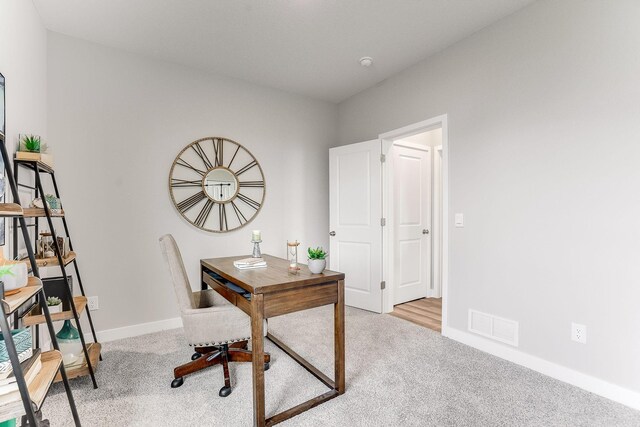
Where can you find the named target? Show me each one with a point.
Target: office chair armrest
(208, 298)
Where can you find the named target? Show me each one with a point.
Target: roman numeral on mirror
(233, 157)
(175, 182)
(190, 202)
(204, 213)
(246, 168)
(249, 201)
(187, 165)
(254, 184)
(223, 217)
(203, 156)
(238, 214)
(218, 146)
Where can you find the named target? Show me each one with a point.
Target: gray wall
(116, 123)
(544, 125)
(23, 62)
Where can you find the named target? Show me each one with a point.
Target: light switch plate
(459, 220)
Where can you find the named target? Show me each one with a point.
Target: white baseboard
(586, 382)
(135, 330)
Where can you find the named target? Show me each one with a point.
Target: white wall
(23, 62)
(116, 123)
(543, 112)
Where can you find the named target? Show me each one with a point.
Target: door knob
(425, 231)
(332, 233)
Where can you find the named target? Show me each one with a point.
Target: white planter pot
(55, 308)
(16, 280)
(317, 266)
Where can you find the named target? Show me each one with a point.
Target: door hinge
(383, 284)
(383, 222)
(383, 158)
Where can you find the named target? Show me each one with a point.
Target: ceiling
(310, 47)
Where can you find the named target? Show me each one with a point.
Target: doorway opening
(414, 201)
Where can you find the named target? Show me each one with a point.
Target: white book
(9, 392)
(250, 266)
(249, 261)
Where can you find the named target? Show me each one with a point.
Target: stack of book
(8, 384)
(244, 264)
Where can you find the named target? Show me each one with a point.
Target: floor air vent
(494, 327)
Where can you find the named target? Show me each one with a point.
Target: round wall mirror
(216, 184)
(220, 184)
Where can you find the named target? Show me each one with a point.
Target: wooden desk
(274, 292)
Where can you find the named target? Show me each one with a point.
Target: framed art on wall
(2, 131)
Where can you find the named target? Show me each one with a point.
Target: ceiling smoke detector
(366, 61)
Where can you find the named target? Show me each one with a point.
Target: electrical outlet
(579, 333)
(92, 303)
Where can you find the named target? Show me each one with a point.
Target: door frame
(437, 204)
(388, 234)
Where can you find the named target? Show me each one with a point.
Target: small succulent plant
(53, 301)
(52, 201)
(31, 143)
(317, 253)
(6, 270)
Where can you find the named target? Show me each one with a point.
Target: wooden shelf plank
(79, 371)
(51, 261)
(38, 388)
(35, 318)
(39, 213)
(10, 210)
(12, 302)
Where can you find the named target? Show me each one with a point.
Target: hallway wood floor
(425, 312)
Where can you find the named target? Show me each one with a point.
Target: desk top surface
(272, 278)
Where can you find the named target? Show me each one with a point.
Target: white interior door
(355, 196)
(412, 221)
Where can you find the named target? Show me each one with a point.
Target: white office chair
(217, 329)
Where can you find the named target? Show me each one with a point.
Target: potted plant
(55, 305)
(31, 148)
(317, 260)
(14, 275)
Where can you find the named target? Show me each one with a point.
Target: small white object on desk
(247, 263)
(256, 236)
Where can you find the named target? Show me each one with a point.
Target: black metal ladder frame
(39, 191)
(30, 414)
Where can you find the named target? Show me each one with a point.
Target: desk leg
(203, 285)
(338, 324)
(257, 350)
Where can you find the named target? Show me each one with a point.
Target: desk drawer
(231, 296)
(279, 303)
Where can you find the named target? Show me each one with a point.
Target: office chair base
(205, 357)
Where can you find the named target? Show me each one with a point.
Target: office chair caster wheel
(195, 356)
(224, 391)
(267, 366)
(177, 382)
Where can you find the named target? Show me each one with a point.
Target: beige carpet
(398, 373)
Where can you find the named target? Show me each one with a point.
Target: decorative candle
(256, 235)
